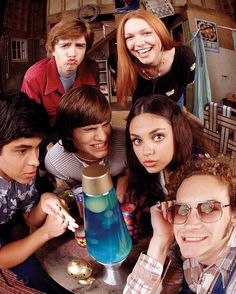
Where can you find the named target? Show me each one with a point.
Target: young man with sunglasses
(202, 220)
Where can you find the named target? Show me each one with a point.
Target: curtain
(202, 88)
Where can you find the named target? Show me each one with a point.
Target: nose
(148, 149)
(139, 41)
(33, 158)
(100, 134)
(71, 51)
(193, 219)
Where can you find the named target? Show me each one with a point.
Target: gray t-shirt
(15, 196)
(66, 166)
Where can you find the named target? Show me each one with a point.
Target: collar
(224, 264)
(53, 82)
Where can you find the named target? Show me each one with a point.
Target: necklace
(85, 162)
(158, 69)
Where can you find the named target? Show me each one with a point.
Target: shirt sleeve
(145, 276)
(189, 65)
(51, 162)
(28, 196)
(31, 88)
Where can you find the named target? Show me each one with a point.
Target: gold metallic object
(79, 269)
(96, 180)
(87, 281)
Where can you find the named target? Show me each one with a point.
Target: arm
(189, 65)
(121, 188)
(16, 252)
(146, 275)
(52, 205)
(31, 88)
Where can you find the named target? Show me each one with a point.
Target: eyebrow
(142, 31)
(69, 42)
(150, 133)
(23, 146)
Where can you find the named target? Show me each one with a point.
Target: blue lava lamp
(107, 237)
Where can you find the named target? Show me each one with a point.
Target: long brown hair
(127, 73)
(186, 133)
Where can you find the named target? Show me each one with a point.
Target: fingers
(162, 207)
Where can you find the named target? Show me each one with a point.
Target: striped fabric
(10, 285)
(220, 128)
(68, 167)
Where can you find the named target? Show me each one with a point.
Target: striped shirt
(145, 279)
(67, 166)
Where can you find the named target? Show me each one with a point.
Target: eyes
(67, 45)
(21, 151)
(143, 34)
(94, 128)
(155, 138)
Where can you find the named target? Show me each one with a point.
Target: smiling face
(92, 141)
(152, 140)
(142, 41)
(19, 160)
(196, 239)
(69, 54)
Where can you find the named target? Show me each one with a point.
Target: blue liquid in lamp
(107, 236)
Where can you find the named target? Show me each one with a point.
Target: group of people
(160, 162)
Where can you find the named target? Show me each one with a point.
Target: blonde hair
(127, 72)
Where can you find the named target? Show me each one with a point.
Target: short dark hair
(21, 117)
(78, 108)
(219, 166)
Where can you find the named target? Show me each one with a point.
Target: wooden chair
(220, 128)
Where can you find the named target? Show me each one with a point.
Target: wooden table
(58, 252)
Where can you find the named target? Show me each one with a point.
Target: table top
(58, 252)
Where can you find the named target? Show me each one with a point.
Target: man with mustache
(66, 67)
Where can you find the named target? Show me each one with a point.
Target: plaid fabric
(146, 280)
(145, 275)
(202, 281)
(10, 285)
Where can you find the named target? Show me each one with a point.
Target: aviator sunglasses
(208, 212)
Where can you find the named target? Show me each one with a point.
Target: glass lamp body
(107, 237)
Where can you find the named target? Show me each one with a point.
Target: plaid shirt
(146, 278)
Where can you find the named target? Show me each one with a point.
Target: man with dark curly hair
(201, 219)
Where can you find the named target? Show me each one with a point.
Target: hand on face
(52, 205)
(162, 229)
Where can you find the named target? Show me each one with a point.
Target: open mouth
(193, 239)
(101, 146)
(144, 51)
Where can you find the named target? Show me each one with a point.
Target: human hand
(162, 229)
(54, 206)
(54, 226)
(163, 235)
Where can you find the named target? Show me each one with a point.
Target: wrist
(158, 249)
